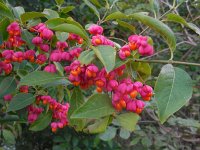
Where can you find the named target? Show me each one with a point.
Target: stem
(102, 20)
(117, 39)
(168, 62)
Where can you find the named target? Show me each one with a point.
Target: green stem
(168, 62)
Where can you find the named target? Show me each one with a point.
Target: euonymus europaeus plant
(61, 73)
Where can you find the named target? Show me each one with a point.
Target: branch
(166, 49)
(168, 62)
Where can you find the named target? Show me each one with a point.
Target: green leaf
(194, 28)
(90, 5)
(7, 85)
(60, 2)
(99, 126)
(97, 106)
(39, 78)
(60, 93)
(128, 121)
(159, 27)
(5, 11)
(184, 122)
(62, 36)
(106, 55)
(120, 62)
(124, 134)
(70, 20)
(155, 6)
(67, 9)
(9, 118)
(109, 134)
(116, 15)
(173, 89)
(143, 71)
(63, 82)
(33, 22)
(96, 2)
(62, 146)
(76, 101)
(150, 40)
(178, 19)
(22, 72)
(50, 14)
(42, 122)
(27, 36)
(31, 15)
(86, 57)
(18, 11)
(8, 136)
(20, 101)
(126, 25)
(3, 32)
(71, 28)
(51, 23)
(59, 68)
(146, 142)
(135, 141)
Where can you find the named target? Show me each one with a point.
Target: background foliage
(181, 131)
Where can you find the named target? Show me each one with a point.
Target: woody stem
(168, 62)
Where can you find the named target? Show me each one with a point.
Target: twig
(186, 54)
(191, 140)
(117, 39)
(168, 62)
(188, 8)
(198, 17)
(186, 32)
(166, 49)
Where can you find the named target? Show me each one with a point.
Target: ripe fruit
(127, 53)
(132, 46)
(99, 89)
(118, 107)
(133, 94)
(122, 103)
(98, 41)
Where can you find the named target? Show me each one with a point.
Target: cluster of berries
(98, 38)
(81, 75)
(14, 39)
(74, 37)
(33, 113)
(58, 55)
(88, 75)
(59, 111)
(126, 94)
(42, 42)
(136, 42)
